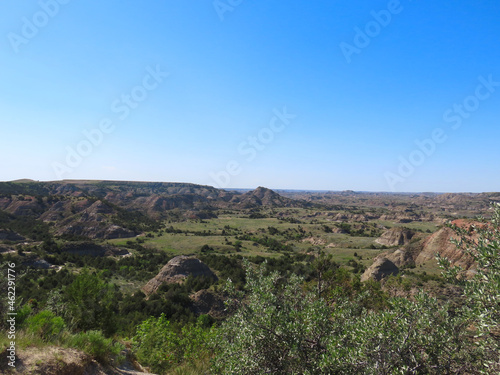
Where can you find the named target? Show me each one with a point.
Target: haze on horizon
(379, 96)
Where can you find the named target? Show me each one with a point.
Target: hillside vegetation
(189, 279)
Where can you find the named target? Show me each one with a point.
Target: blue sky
(357, 86)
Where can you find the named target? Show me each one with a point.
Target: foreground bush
(45, 328)
(280, 329)
(410, 337)
(91, 304)
(45, 325)
(482, 292)
(162, 347)
(96, 345)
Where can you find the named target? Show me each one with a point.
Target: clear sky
(333, 95)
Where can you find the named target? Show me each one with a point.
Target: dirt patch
(53, 360)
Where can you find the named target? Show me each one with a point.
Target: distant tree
(327, 229)
(238, 245)
(273, 231)
(325, 269)
(205, 249)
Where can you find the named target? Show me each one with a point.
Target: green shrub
(277, 329)
(280, 329)
(152, 343)
(162, 347)
(91, 303)
(95, 344)
(481, 291)
(22, 314)
(45, 324)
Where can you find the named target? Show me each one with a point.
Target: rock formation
(92, 249)
(176, 270)
(382, 267)
(400, 257)
(395, 236)
(425, 250)
(7, 235)
(263, 197)
(440, 242)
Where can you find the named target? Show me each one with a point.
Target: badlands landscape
(108, 256)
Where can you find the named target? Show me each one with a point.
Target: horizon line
(82, 180)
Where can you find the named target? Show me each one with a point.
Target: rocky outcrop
(425, 250)
(7, 235)
(92, 249)
(263, 197)
(94, 230)
(439, 242)
(400, 257)
(58, 211)
(381, 268)
(98, 208)
(94, 220)
(115, 231)
(176, 270)
(154, 205)
(395, 236)
(267, 197)
(21, 206)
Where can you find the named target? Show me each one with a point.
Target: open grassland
(239, 234)
(272, 233)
